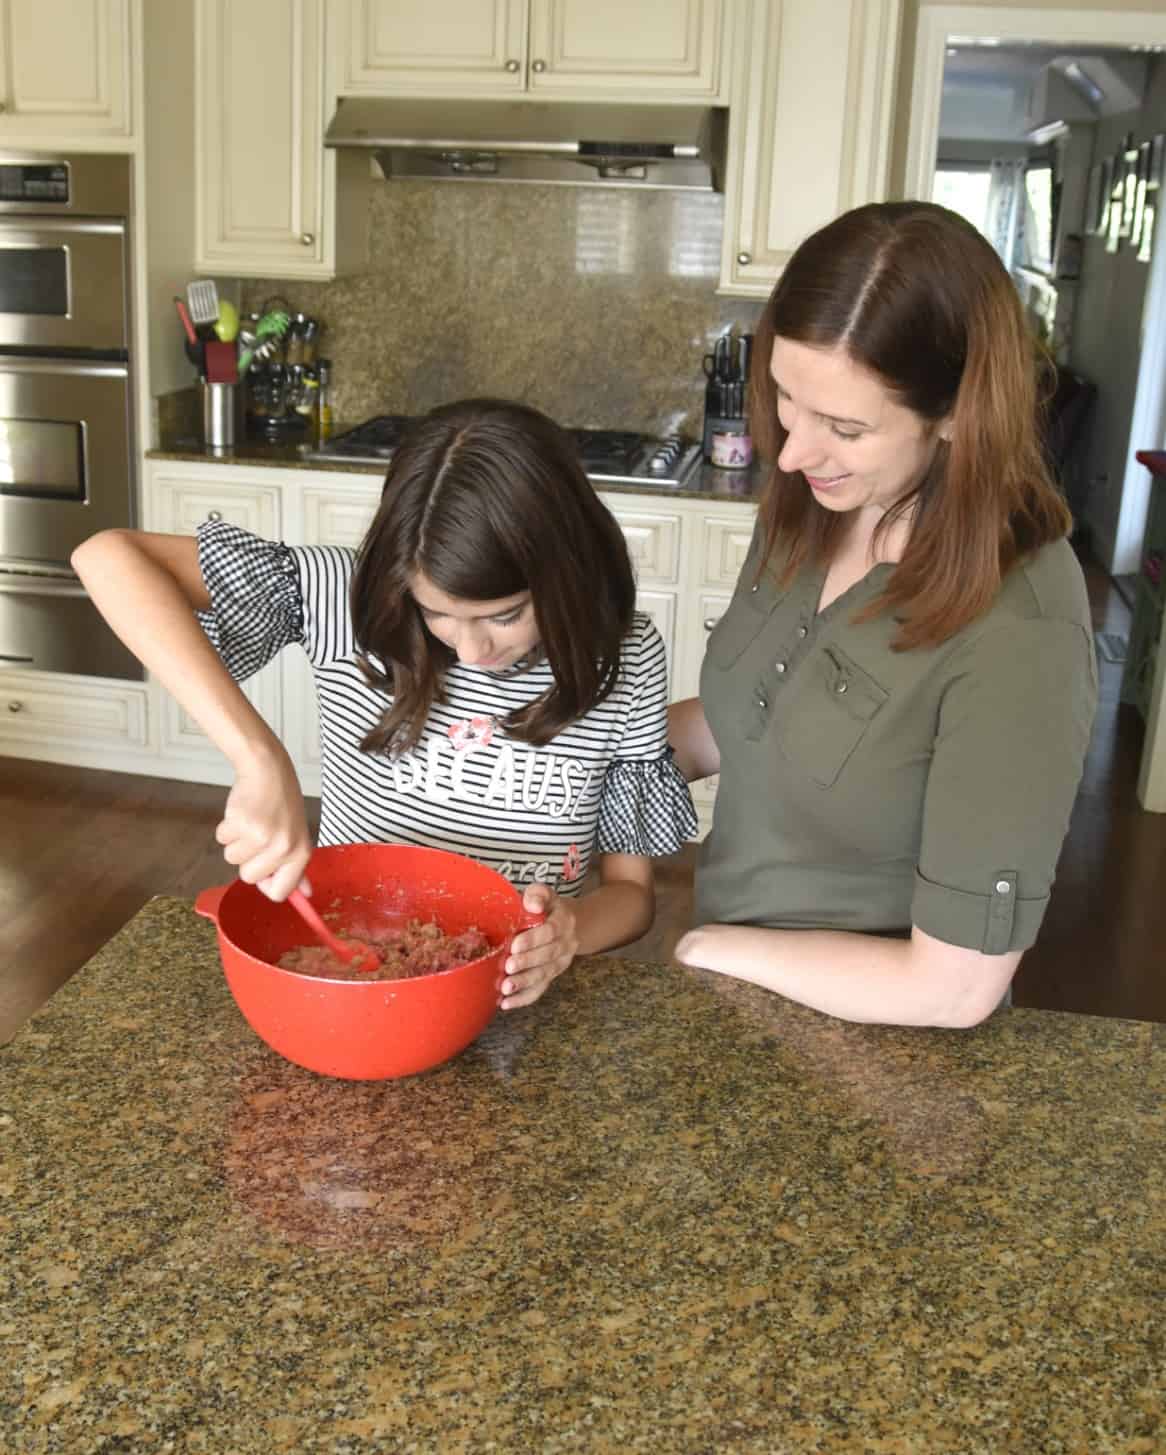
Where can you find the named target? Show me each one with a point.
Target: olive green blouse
(867, 789)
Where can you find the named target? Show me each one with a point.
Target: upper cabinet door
(259, 160)
(652, 50)
(64, 70)
(455, 46)
(809, 129)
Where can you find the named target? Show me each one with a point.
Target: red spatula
(352, 952)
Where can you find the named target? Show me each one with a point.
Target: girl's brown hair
(488, 499)
(918, 297)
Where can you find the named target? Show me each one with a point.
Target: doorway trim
(938, 24)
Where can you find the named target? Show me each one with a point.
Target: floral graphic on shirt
(571, 864)
(471, 732)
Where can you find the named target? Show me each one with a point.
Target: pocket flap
(855, 691)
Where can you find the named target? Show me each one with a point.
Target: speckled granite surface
(656, 1212)
(593, 304)
(705, 483)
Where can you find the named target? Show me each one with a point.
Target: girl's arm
(691, 741)
(619, 911)
(921, 981)
(148, 587)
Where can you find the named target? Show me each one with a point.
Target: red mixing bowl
(368, 1030)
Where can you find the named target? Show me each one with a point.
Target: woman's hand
(264, 829)
(539, 955)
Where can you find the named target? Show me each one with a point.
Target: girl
(900, 695)
(484, 681)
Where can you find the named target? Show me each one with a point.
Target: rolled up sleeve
(1013, 728)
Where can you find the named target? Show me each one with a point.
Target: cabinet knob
(710, 622)
(16, 706)
(307, 239)
(744, 258)
(538, 67)
(512, 66)
(214, 515)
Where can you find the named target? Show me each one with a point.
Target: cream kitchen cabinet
(654, 541)
(809, 127)
(265, 188)
(639, 50)
(179, 501)
(81, 720)
(65, 74)
(719, 549)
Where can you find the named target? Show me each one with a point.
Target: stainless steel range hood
(582, 144)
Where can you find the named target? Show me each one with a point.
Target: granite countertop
(705, 483)
(658, 1211)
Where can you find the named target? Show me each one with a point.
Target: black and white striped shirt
(606, 784)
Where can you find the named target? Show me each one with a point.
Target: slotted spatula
(202, 298)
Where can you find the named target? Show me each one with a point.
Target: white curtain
(1006, 211)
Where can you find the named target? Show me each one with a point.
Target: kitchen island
(657, 1211)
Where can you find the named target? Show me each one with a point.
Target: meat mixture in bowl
(418, 948)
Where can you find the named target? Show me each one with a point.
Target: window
(1040, 216)
(964, 189)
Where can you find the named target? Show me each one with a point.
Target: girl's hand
(540, 954)
(264, 830)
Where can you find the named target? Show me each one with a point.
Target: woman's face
(492, 635)
(856, 445)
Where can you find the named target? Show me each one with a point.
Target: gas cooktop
(609, 455)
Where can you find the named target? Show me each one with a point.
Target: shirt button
(842, 687)
(762, 704)
(752, 588)
(801, 631)
(1003, 886)
(779, 667)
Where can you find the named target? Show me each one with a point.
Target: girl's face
(492, 635)
(856, 445)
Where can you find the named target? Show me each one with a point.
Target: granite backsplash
(594, 305)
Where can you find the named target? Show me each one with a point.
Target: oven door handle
(24, 231)
(62, 368)
(20, 584)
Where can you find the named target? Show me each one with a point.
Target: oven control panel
(34, 182)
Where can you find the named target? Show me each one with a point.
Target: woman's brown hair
(488, 499)
(918, 297)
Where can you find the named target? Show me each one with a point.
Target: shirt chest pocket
(831, 705)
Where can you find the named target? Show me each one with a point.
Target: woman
(484, 681)
(899, 697)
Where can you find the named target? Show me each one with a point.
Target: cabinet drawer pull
(214, 515)
(744, 258)
(710, 622)
(307, 239)
(538, 67)
(16, 706)
(512, 66)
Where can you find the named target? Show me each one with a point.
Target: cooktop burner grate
(606, 454)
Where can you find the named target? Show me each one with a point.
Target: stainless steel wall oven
(67, 457)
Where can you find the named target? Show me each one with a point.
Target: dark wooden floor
(81, 851)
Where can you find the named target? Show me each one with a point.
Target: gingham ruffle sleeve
(256, 608)
(645, 808)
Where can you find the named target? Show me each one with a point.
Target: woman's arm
(921, 981)
(691, 741)
(620, 910)
(148, 587)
